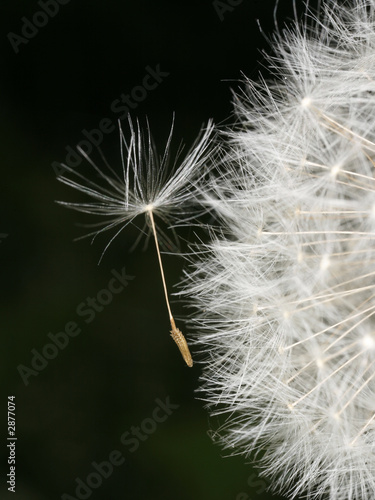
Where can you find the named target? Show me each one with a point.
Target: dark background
(106, 380)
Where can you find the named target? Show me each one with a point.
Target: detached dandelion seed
(143, 189)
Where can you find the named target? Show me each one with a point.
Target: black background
(107, 379)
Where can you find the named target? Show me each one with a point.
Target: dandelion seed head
(294, 199)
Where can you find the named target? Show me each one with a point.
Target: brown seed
(178, 337)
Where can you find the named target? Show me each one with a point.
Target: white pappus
(285, 291)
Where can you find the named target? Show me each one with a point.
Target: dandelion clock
(285, 290)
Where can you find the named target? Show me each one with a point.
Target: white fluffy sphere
(286, 290)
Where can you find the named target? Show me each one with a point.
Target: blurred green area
(107, 379)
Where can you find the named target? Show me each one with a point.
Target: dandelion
(286, 295)
(143, 188)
